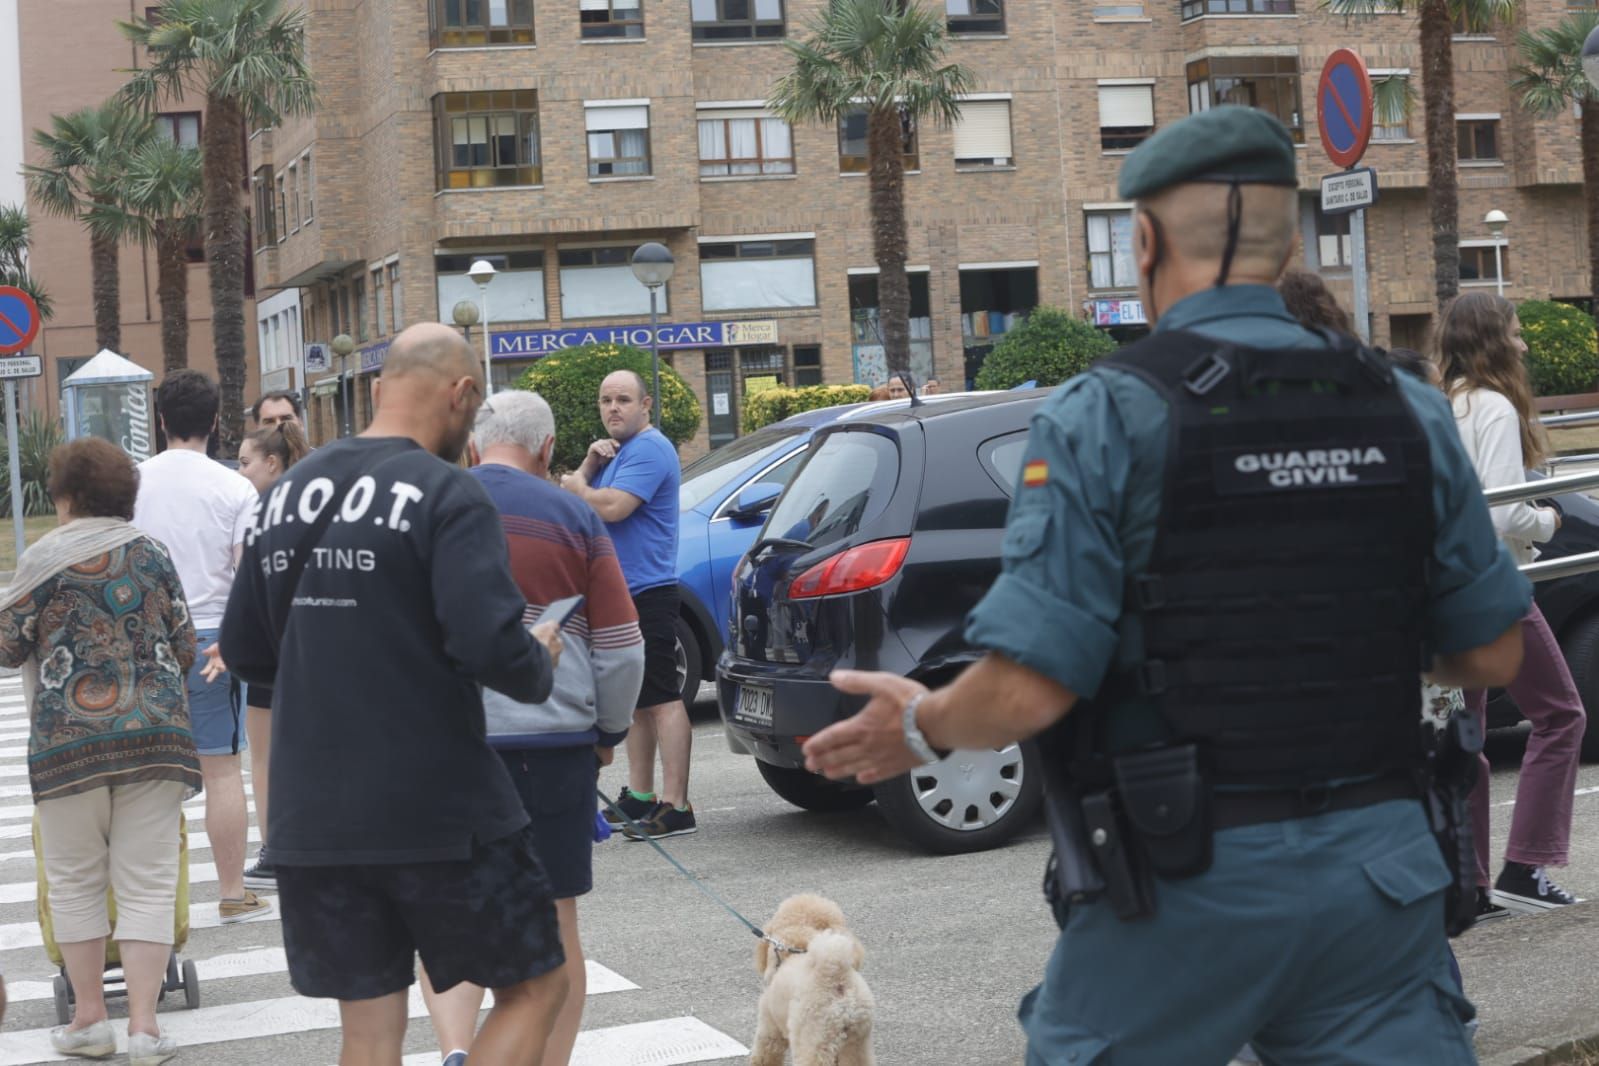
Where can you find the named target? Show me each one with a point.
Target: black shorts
(657, 620)
(351, 932)
(557, 789)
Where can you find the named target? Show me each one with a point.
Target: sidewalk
(1535, 984)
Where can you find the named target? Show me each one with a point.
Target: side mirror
(756, 499)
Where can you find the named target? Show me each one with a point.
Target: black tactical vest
(1283, 608)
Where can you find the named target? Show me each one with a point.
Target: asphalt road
(952, 943)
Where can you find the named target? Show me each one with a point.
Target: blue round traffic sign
(1343, 108)
(19, 319)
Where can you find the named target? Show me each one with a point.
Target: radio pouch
(1167, 798)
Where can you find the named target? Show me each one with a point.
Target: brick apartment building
(554, 136)
(72, 56)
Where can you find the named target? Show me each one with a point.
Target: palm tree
(247, 58)
(1437, 29)
(16, 233)
(1550, 79)
(885, 56)
(159, 194)
(84, 153)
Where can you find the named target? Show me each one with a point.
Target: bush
(1562, 349)
(1049, 347)
(570, 381)
(37, 437)
(774, 405)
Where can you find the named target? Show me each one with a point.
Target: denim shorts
(215, 709)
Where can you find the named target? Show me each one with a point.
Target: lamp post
(342, 346)
(482, 272)
(653, 266)
(1496, 221)
(465, 313)
(1590, 57)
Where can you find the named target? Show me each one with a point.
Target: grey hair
(515, 417)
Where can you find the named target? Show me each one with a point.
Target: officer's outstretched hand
(870, 747)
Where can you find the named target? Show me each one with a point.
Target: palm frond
(1548, 77)
(1393, 98)
(1359, 9)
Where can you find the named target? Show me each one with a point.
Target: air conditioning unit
(317, 358)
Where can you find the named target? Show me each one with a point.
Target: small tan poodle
(816, 1001)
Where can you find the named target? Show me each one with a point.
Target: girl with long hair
(1480, 353)
(264, 457)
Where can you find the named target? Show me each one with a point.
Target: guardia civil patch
(1035, 473)
(1248, 470)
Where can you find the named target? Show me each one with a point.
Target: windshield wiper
(787, 543)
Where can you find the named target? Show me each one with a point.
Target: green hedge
(570, 381)
(1049, 347)
(774, 405)
(1562, 348)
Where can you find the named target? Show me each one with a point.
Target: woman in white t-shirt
(1480, 356)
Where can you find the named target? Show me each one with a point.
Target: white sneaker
(147, 1050)
(95, 1041)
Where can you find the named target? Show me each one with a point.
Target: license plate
(754, 705)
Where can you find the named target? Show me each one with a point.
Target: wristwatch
(913, 736)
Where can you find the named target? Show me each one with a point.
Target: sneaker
(147, 1050)
(243, 910)
(1529, 889)
(262, 874)
(95, 1041)
(456, 1058)
(629, 804)
(664, 821)
(1487, 909)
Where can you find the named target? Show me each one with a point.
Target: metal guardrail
(1574, 418)
(1572, 460)
(1537, 490)
(1566, 566)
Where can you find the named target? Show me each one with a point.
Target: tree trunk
(1590, 186)
(1438, 96)
(172, 289)
(106, 283)
(885, 147)
(224, 253)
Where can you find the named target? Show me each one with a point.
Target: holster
(1129, 884)
(1451, 773)
(1071, 876)
(1167, 797)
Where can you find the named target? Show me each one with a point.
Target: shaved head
(430, 348)
(624, 404)
(622, 378)
(1193, 223)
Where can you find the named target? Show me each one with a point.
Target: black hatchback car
(883, 540)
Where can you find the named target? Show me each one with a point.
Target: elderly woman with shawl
(97, 622)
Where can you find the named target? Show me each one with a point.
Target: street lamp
(1590, 56)
(482, 272)
(1496, 221)
(465, 313)
(653, 266)
(342, 346)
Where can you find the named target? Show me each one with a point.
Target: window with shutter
(1126, 115)
(618, 139)
(982, 134)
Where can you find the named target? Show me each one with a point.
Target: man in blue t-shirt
(632, 478)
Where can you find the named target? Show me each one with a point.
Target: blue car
(724, 501)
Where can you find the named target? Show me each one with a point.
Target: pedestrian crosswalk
(248, 1009)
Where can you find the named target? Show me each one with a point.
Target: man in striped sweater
(559, 548)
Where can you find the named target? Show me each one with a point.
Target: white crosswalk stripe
(228, 1017)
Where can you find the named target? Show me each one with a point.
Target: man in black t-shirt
(376, 576)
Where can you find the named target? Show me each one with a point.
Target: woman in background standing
(264, 457)
(1480, 360)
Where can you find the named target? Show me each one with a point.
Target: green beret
(1223, 144)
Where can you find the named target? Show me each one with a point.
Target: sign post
(19, 324)
(1344, 116)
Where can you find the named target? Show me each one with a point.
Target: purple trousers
(1540, 822)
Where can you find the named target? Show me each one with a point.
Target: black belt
(1235, 809)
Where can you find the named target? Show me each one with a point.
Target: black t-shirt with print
(405, 607)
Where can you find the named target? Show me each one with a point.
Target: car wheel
(812, 792)
(969, 801)
(687, 654)
(1581, 648)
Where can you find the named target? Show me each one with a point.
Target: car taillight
(863, 567)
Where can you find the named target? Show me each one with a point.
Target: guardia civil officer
(1234, 546)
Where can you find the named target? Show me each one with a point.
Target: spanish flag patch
(1035, 473)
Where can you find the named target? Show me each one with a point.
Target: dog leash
(706, 890)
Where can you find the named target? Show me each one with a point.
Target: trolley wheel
(191, 985)
(63, 1000)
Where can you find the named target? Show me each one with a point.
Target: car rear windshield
(709, 474)
(846, 482)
